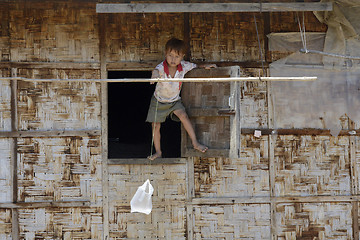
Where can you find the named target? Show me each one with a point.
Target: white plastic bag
(141, 201)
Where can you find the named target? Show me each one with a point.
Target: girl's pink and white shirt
(170, 91)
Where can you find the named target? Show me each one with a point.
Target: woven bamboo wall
(301, 186)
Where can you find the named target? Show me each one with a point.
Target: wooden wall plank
(209, 7)
(14, 155)
(104, 126)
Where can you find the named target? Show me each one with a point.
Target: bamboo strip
(295, 131)
(75, 203)
(58, 133)
(14, 155)
(141, 161)
(230, 79)
(269, 200)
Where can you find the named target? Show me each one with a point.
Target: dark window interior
(129, 135)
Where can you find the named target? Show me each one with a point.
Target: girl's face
(173, 58)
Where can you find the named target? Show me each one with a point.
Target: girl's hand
(208, 66)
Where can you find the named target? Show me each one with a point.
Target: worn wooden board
(5, 107)
(61, 223)
(141, 37)
(53, 31)
(254, 100)
(5, 171)
(5, 224)
(245, 176)
(312, 165)
(237, 221)
(168, 217)
(55, 169)
(314, 220)
(48, 106)
(210, 7)
(224, 37)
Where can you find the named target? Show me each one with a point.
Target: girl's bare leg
(156, 135)
(182, 115)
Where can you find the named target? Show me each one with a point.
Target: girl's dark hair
(175, 44)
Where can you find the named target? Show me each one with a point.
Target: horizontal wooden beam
(268, 200)
(303, 131)
(150, 65)
(142, 161)
(128, 80)
(75, 203)
(210, 112)
(115, 66)
(51, 65)
(59, 133)
(211, 7)
(190, 152)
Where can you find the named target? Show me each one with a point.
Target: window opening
(129, 136)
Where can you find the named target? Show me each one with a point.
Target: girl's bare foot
(200, 148)
(154, 156)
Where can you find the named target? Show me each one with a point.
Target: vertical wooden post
(190, 195)
(354, 175)
(272, 169)
(187, 34)
(104, 126)
(13, 146)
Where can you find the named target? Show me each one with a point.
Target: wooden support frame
(211, 7)
(124, 80)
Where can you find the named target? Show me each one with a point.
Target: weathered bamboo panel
(141, 37)
(60, 223)
(357, 161)
(5, 224)
(47, 106)
(245, 176)
(312, 165)
(53, 31)
(253, 109)
(212, 131)
(168, 217)
(57, 72)
(5, 106)
(237, 221)
(225, 36)
(56, 169)
(5, 171)
(314, 221)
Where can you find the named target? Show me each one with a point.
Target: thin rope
(261, 53)
(302, 31)
(153, 129)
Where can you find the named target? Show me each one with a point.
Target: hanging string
(305, 50)
(302, 31)
(153, 129)
(260, 50)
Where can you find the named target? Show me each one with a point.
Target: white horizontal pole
(211, 7)
(229, 79)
